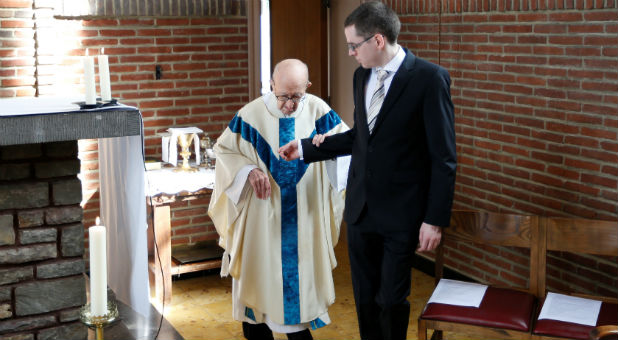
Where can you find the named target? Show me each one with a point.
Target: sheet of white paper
(458, 293)
(570, 309)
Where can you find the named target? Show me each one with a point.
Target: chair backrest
(495, 229)
(577, 235)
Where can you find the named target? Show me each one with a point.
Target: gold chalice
(184, 140)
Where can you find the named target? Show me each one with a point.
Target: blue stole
(286, 175)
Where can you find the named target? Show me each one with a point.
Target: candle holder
(209, 156)
(100, 103)
(99, 322)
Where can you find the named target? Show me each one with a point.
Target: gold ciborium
(184, 140)
(98, 322)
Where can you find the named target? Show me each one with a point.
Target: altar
(41, 218)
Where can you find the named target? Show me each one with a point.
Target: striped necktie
(376, 100)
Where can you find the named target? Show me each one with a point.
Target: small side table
(164, 187)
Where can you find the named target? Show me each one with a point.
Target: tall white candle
(98, 269)
(89, 80)
(106, 91)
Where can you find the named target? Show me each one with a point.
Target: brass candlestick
(184, 140)
(98, 322)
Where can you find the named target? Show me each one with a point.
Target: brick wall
(535, 88)
(201, 47)
(203, 84)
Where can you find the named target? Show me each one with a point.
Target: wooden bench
(505, 312)
(540, 235)
(580, 236)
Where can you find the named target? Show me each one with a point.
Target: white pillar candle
(98, 269)
(106, 91)
(89, 81)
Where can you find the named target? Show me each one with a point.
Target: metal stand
(100, 321)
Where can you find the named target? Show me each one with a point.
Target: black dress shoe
(259, 331)
(302, 335)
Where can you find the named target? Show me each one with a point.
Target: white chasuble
(280, 249)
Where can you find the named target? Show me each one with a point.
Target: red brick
(99, 42)
(206, 21)
(135, 41)
(171, 22)
(16, 4)
(154, 32)
(16, 23)
(188, 48)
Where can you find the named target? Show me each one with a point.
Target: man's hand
(429, 237)
(260, 183)
(289, 151)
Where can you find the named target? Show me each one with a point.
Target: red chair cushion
(608, 315)
(500, 308)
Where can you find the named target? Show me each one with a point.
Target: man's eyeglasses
(353, 47)
(294, 99)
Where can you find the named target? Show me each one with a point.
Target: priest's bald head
(289, 82)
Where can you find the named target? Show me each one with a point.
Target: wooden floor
(201, 306)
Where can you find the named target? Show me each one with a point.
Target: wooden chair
(604, 333)
(504, 313)
(581, 236)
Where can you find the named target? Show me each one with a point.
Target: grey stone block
(13, 275)
(59, 269)
(5, 310)
(22, 324)
(10, 172)
(5, 293)
(27, 254)
(60, 149)
(23, 151)
(63, 215)
(18, 337)
(29, 236)
(45, 296)
(30, 218)
(24, 196)
(7, 233)
(69, 315)
(72, 240)
(67, 192)
(72, 331)
(56, 169)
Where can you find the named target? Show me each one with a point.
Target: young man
(402, 173)
(278, 230)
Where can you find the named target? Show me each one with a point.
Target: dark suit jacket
(404, 172)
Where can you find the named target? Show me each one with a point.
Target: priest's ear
(308, 84)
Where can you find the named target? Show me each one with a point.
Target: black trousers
(261, 331)
(381, 265)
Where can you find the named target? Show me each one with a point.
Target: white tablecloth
(123, 212)
(168, 181)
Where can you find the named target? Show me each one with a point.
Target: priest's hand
(318, 139)
(289, 152)
(260, 183)
(429, 237)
